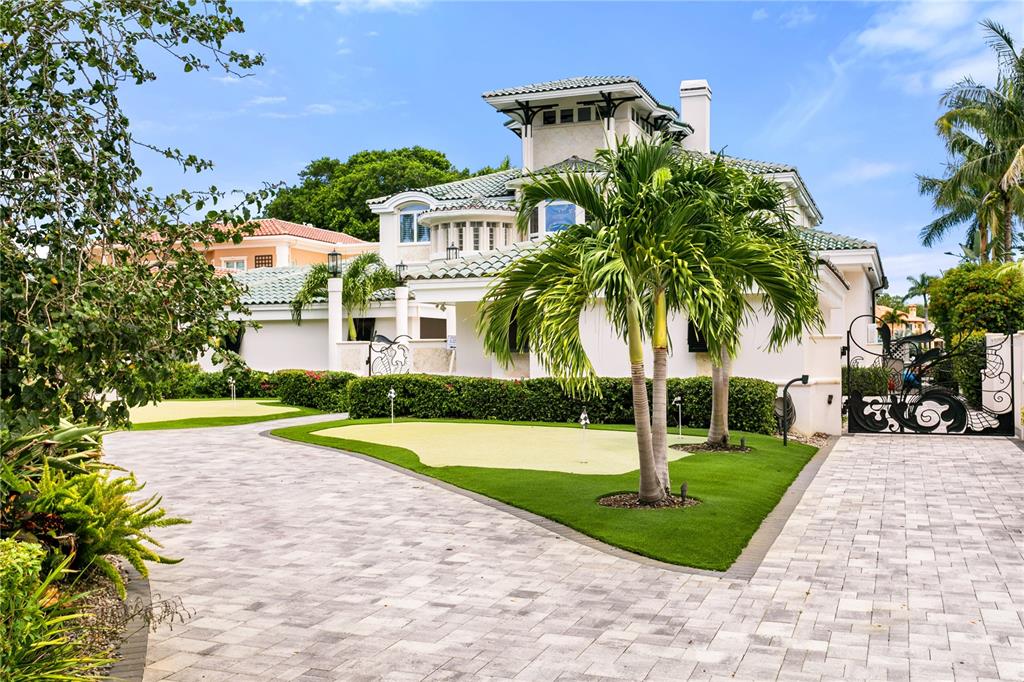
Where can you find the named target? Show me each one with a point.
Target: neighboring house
(910, 324)
(450, 240)
(280, 243)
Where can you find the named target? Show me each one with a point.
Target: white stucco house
(450, 240)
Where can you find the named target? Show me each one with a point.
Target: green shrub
(751, 401)
(973, 298)
(190, 381)
(968, 363)
(37, 620)
(326, 391)
(872, 380)
(58, 495)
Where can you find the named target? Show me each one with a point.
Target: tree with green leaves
(638, 256)
(104, 282)
(364, 275)
(919, 287)
(890, 301)
(976, 206)
(332, 194)
(762, 263)
(983, 129)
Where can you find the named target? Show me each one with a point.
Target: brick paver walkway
(902, 561)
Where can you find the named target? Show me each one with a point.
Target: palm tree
(638, 256)
(361, 277)
(919, 287)
(984, 132)
(755, 249)
(977, 205)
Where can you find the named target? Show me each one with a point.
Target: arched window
(409, 229)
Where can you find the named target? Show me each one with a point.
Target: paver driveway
(903, 560)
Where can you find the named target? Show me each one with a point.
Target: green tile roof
(270, 286)
(489, 264)
(819, 240)
(476, 203)
(565, 84)
(490, 185)
(478, 265)
(573, 164)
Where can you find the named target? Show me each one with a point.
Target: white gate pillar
(401, 311)
(335, 324)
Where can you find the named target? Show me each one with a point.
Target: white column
(335, 324)
(414, 321)
(528, 147)
(283, 255)
(401, 311)
(450, 319)
(609, 130)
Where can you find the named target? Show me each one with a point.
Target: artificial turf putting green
(445, 444)
(736, 490)
(183, 414)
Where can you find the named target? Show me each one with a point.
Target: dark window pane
(583, 114)
(406, 227)
(265, 261)
(695, 343)
(549, 117)
(565, 116)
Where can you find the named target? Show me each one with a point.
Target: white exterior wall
(389, 238)
(470, 359)
(282, 344)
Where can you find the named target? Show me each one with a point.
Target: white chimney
(695, 105)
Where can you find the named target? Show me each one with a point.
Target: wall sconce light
(452, 252)
(334, 263)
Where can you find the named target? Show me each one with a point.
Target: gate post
(1017, 356)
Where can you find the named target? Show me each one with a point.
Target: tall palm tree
(984, 132)
(364, 275)
(919, 287)
(763, 264)
(638, 255)
(978, 206)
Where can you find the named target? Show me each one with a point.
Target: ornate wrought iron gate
(387, 356)
(908, 384)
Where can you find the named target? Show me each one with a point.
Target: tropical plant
(976, 205)
(39, 620)
(361, 277)
(983, 128)
(754, 248)
(919, 287)
(972, 298)
(638, 256)
(66, 447)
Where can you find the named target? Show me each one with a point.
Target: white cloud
(372, 34)
(914, 26)
(760, 14)
(900, 266)
(807, 101)
(320, 109)
(859, 171)
(347, 6)
(231, 79)
(261, 101)
(982, 67)
(342, 48)
(798, 16)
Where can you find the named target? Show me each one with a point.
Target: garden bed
(736, 490)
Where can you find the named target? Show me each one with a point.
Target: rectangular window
(583, 114)
(534, 224)
(477, 226)
(694, 342)
(460, 235)
(557, 217)
(422, 233)
(232, 263)
(265, 261)
(549, 117)
(509, 237)
(407, 221)
(565, 116)
(492, 234)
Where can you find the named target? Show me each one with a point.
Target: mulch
(632, 501)
(709, 447)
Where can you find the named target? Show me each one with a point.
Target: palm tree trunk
(659, 393)
(1006, 229)
(650, 487)
(983, 244)
(352, 329)
(718, 430)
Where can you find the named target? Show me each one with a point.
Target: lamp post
(678, 402)
(391, 397)
(785, 406)
(335, 321)
(400, 271)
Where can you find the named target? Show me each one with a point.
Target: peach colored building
(279, 243)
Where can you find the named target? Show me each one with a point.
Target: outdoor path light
(785, 406)
(391, 397)
(678, 402)
(584, 419)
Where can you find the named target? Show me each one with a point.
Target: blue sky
(846, 91)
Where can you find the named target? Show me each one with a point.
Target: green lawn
(736, 490)
(184, 414)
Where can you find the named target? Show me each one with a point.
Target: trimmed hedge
(190, 381)
(325, 391)
(873, 380)
(424, 396)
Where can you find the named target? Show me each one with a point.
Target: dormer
(574, 117)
